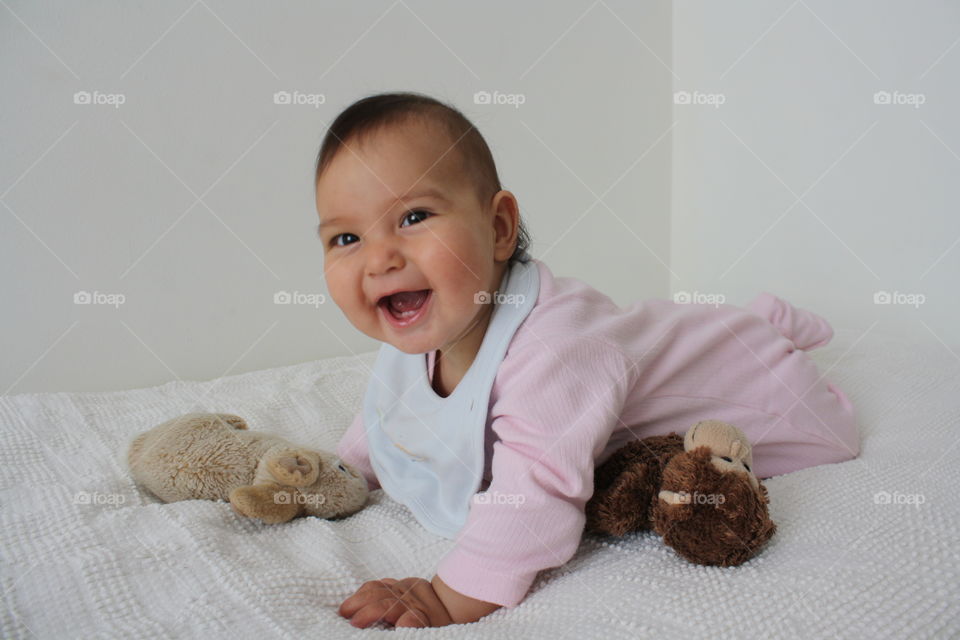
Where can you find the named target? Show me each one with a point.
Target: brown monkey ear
(672, 497)
(271, 503)
(675, 506)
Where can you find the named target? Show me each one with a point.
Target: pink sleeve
(558, 404)
(804, 328)
(352, 449)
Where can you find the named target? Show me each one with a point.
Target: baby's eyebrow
(429, 192)
(326, 223)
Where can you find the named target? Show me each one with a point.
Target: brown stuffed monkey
(697, 492)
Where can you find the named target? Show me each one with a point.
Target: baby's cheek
(333, 297)
(350, 305)
(342, 295)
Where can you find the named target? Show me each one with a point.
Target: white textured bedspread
(866, 548)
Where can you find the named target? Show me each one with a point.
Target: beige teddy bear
(212, 456)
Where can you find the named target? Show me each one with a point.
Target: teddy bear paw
(270, 503)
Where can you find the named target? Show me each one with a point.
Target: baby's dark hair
(373, 113)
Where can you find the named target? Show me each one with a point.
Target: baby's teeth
(404, 314)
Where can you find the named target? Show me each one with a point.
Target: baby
(499, 387)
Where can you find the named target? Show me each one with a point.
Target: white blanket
(865, 548)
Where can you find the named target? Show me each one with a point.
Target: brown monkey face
(729, 447)
(709, 515)
(726, 463)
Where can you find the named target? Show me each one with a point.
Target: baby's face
(382, 233)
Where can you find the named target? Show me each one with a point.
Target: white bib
(428, 451)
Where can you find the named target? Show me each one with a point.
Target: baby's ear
(271, 503)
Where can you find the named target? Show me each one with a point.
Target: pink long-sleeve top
(582, 377)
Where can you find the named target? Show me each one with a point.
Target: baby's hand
(410, 602)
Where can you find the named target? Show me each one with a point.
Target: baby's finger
(376, 584)
(401, 609)
(370, 591)
(351, 605)
(412, 618)
(373, 612)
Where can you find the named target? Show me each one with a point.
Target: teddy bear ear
(271, 503)
(233, 421)
(295, 468)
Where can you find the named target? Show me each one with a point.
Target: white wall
(194, 199)
(875, 185)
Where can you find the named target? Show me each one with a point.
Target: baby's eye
(746, 466)
(425, 214)
(341, 467)
(333, 240)
(727, 458)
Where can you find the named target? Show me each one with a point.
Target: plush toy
(212, 456)
(698, 492)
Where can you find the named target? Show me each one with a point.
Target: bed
(865, 548)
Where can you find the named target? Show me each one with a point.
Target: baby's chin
(412, 344)
(411, 351)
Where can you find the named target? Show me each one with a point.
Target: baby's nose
(383, 256)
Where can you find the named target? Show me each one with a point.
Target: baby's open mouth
(404, 304)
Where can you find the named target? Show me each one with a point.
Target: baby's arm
(462, 608)
(561, 399)
(353, 450)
